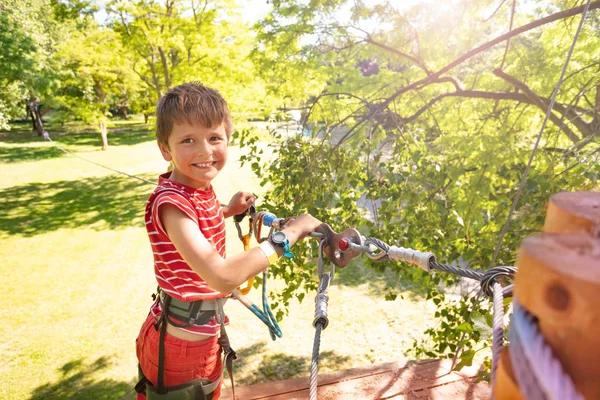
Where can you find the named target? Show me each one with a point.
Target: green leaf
(465, 327)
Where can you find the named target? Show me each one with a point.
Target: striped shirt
(173, 274)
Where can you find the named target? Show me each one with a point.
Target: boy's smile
(198, 153)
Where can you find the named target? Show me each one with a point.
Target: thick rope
(545, 368)
(539, 137)
(497, 328)
(526, 380)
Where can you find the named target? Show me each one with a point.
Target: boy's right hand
(301, 226)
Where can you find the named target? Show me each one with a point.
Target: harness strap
(161, 347)
(215, 309)
(228, 356)
(190, 313)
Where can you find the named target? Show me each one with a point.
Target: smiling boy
(180, 342)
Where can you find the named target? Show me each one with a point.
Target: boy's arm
(222, 274)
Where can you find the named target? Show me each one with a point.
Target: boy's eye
(216, 138)
(188, 140)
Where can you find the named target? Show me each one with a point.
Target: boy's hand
(239, 203)
(301, 226)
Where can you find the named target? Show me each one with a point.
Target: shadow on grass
(113, 201)
(279, 366)
(23, 147)
(78, 383)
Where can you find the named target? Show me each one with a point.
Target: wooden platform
(427, 379)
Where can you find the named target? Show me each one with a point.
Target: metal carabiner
(320, 263)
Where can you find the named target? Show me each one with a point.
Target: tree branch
(536, 100)
(165, 67)
(414, 59)
(436, 75)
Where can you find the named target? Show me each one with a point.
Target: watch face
(278, 237)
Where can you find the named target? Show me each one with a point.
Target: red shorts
(184, 361)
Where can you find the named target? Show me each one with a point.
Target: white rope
(548, 371)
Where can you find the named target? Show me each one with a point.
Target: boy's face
(198, 153)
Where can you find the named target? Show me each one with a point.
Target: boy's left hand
(239, 203)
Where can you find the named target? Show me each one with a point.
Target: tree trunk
(34, 103)
(146, 116)
(104, 135)
(33, 126)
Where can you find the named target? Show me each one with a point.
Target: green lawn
(78, 273)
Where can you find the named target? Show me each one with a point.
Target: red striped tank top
(173, 274)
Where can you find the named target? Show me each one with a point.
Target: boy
(187, 234)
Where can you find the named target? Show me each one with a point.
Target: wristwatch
(280, 239)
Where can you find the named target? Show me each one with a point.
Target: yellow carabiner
(246, 242)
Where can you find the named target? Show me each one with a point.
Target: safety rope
(539, 374)
(378, 250)
(47, 137)
(257, 220)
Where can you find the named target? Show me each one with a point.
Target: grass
(78, 273)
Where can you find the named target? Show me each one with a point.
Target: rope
(497, 329)
(314, 364)
(320, 322)
(526, 381)
(545, 374)
(539, 137)
(47, 137)
(464, 272)
(274, 329)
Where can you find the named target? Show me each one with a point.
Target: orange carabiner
(246, 241)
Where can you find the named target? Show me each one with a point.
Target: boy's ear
(164, 149)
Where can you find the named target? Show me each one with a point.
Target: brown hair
(191, 103)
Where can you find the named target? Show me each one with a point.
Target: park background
(406, 120)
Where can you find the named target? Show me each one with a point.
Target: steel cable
(314, 364)
(465, 272)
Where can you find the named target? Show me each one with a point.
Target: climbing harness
(182, 315)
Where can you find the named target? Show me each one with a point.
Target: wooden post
(573, 212)
(558, 281)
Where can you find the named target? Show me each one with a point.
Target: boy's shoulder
(171, 190)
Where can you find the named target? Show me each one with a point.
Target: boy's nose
(203, 147)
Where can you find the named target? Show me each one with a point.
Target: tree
(26, 75)
(177, 41)
(429, 114)
(95, 73)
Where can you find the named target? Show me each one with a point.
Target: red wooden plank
(427, 379)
